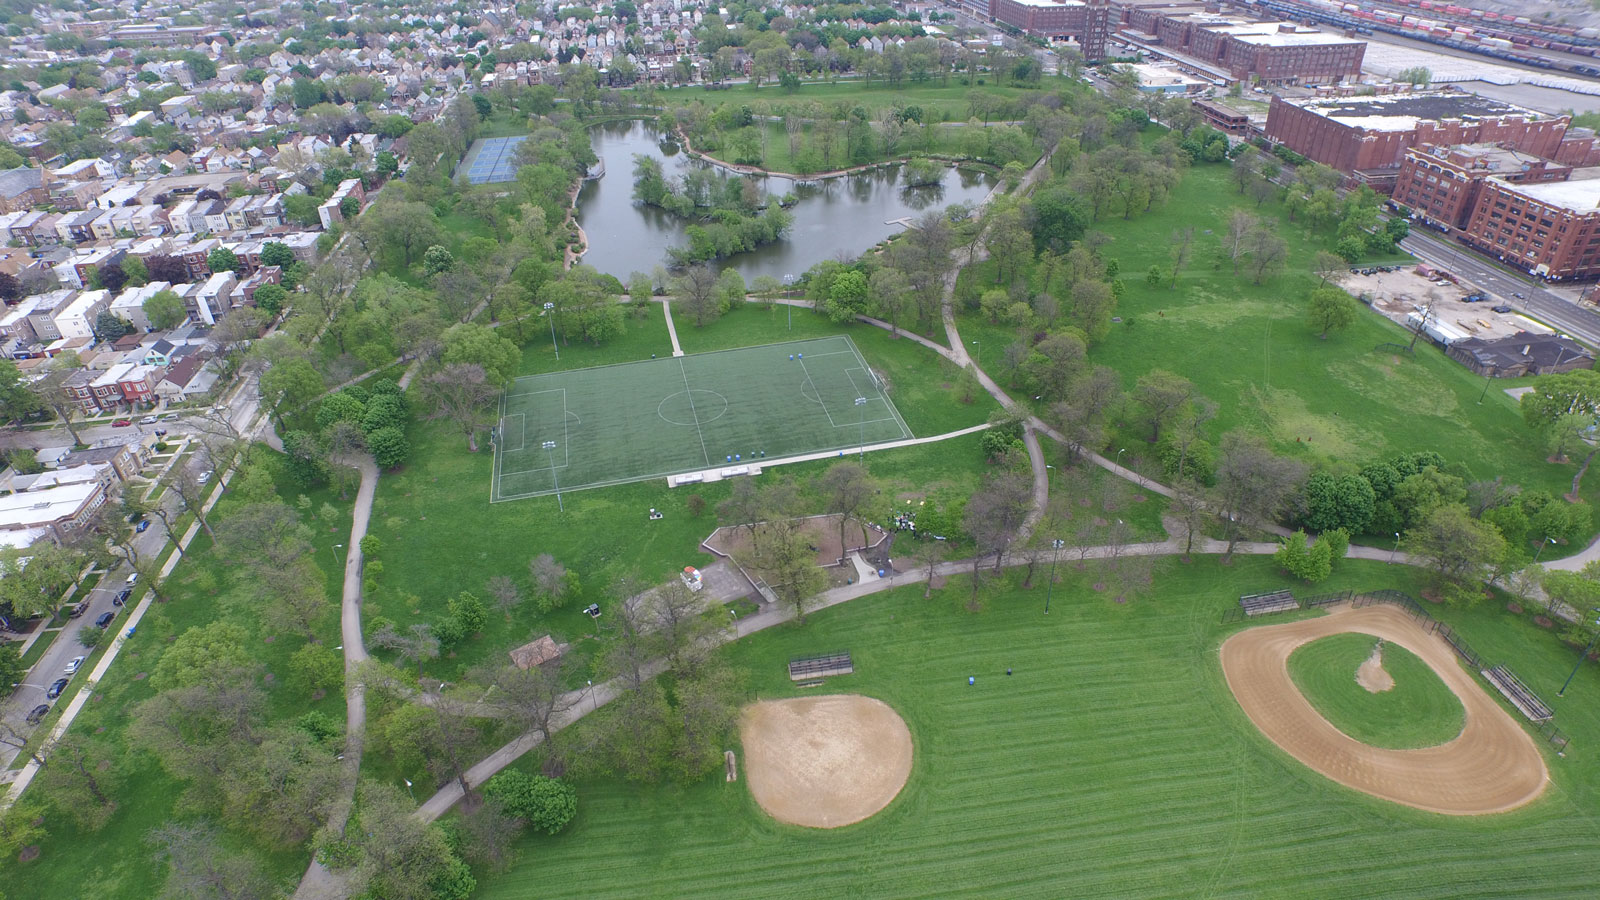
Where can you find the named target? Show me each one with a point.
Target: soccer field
(615, 424)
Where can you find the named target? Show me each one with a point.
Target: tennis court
(615, 424)
(491, 160)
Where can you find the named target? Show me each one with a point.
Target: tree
(223, 260)
(1345, 502)
(1236, 241)
(1557, 405)
(551, 580)
(437, 260)
(288, 385)
(10, 288)
(1058, 219)
(503, 590)
(316, 668)
(847, 296)
(1331, 310)
(887, 293)
(781, 552)
(16, 400)
(1182, 247)
(1158, 395)
(270, 298)
(1253, 483)
(461, 393)
(1310, 563)
(165, 310)
(51, 394)
(1457, 548)
(469, 611)
(34, 579)
(1055, 363)
(696, 287)
(418, 644)
(994, 515)
(199, 864)
(389, 447)
(849, 490)
(200, 651)
(1327, 266)
(1267, 253)
(545, 804)
(277, 253)
(402, 857)
(474, 344)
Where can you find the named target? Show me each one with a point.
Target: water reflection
(835, 218)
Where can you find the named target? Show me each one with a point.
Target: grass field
(940, 102)
(1114, 763)
(1419, 711)
(616, 424)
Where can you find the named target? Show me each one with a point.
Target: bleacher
(807, 667)
(1269, 602)
(1514, 690)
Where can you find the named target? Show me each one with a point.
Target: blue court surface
(491, 160)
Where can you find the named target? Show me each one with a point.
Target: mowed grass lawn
(1338, 402)
(1113, 763)
(939, 102)
(1418, 711)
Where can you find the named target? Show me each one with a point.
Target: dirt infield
(1493, 766)
(824, 761)
(1372, 676)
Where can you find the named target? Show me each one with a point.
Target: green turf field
(1419, 711)
(628, 422)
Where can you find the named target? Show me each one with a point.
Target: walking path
(709, 475)
(672, 330)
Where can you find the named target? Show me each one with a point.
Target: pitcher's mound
(825, 761)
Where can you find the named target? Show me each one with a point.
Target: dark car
(79, 610)
(36, 715)
(56, 688)
(1518, 296)
(122, 597)
(1501, 308)
(104, 619)
(143, 526)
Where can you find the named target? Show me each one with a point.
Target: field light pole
(1396, 548)
(1582, 656)
(1050, 588)
(337, 555)
(861, 417)
(1487, 380)
(550, 447)
(550, 313)
(1542, 544)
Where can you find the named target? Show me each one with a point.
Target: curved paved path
(319, 882)
(1492, 766)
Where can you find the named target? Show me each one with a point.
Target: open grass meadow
(1113, 763)
(1418, 711)
(115, 862)
(1338, 403)
(940, 102)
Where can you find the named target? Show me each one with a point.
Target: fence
(804, 667)
(1504, 680)
(1250, 605)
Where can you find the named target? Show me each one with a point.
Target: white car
(133, 579)
(77, 663)
(148, 420)
(204, 476)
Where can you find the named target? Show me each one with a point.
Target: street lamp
(550, 448)
(1487, 380)
(861, 417)
(1050, 588)
(550, 313)
(1119, 456)
(337, 555)
(1586, 651)
(1396, 548)
(409, 790)
(1542, 544)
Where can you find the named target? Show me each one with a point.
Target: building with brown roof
(1441, 184)
(1550, 229)
(537, 653)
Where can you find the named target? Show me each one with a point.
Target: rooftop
(1578, 195)
(1403, 112)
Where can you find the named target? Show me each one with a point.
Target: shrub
(544, 803)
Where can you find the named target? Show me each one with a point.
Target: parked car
(79, 610)
(75, 665)
(122, 423)
(205, 476)
(56, 688)
(105, 619)
(161, 432)
(122, 597)
(142, 526)
(133, 579)
(148, 420)
(168, 417)
(38, 713)
(1501, 308)
(1518, 296)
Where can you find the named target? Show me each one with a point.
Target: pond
(834, 218)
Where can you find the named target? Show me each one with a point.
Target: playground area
(824, 762)
(726, 410)
(1492, 766)
(491, 160)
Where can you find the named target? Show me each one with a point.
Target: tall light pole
(1396, 548)
(861, 417)
(1542, 544)
(1050, 588)
(1582, 656)
(337, 555)
(1119, 456)
(550, 313)
(1487, 380)
(550, 448)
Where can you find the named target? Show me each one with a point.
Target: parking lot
(1399, 293)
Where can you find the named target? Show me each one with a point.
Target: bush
(544, 803)
(370, 546)
(91, 636)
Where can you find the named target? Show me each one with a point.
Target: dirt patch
(1371, 674)
(823, 532)
(1492, 766)
(824, 762)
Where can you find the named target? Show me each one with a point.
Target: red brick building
(1441, 184)
(1085, 21)
(1551, 229)
(1368, 136)
(1273, 52)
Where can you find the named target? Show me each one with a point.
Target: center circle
(691, 408)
